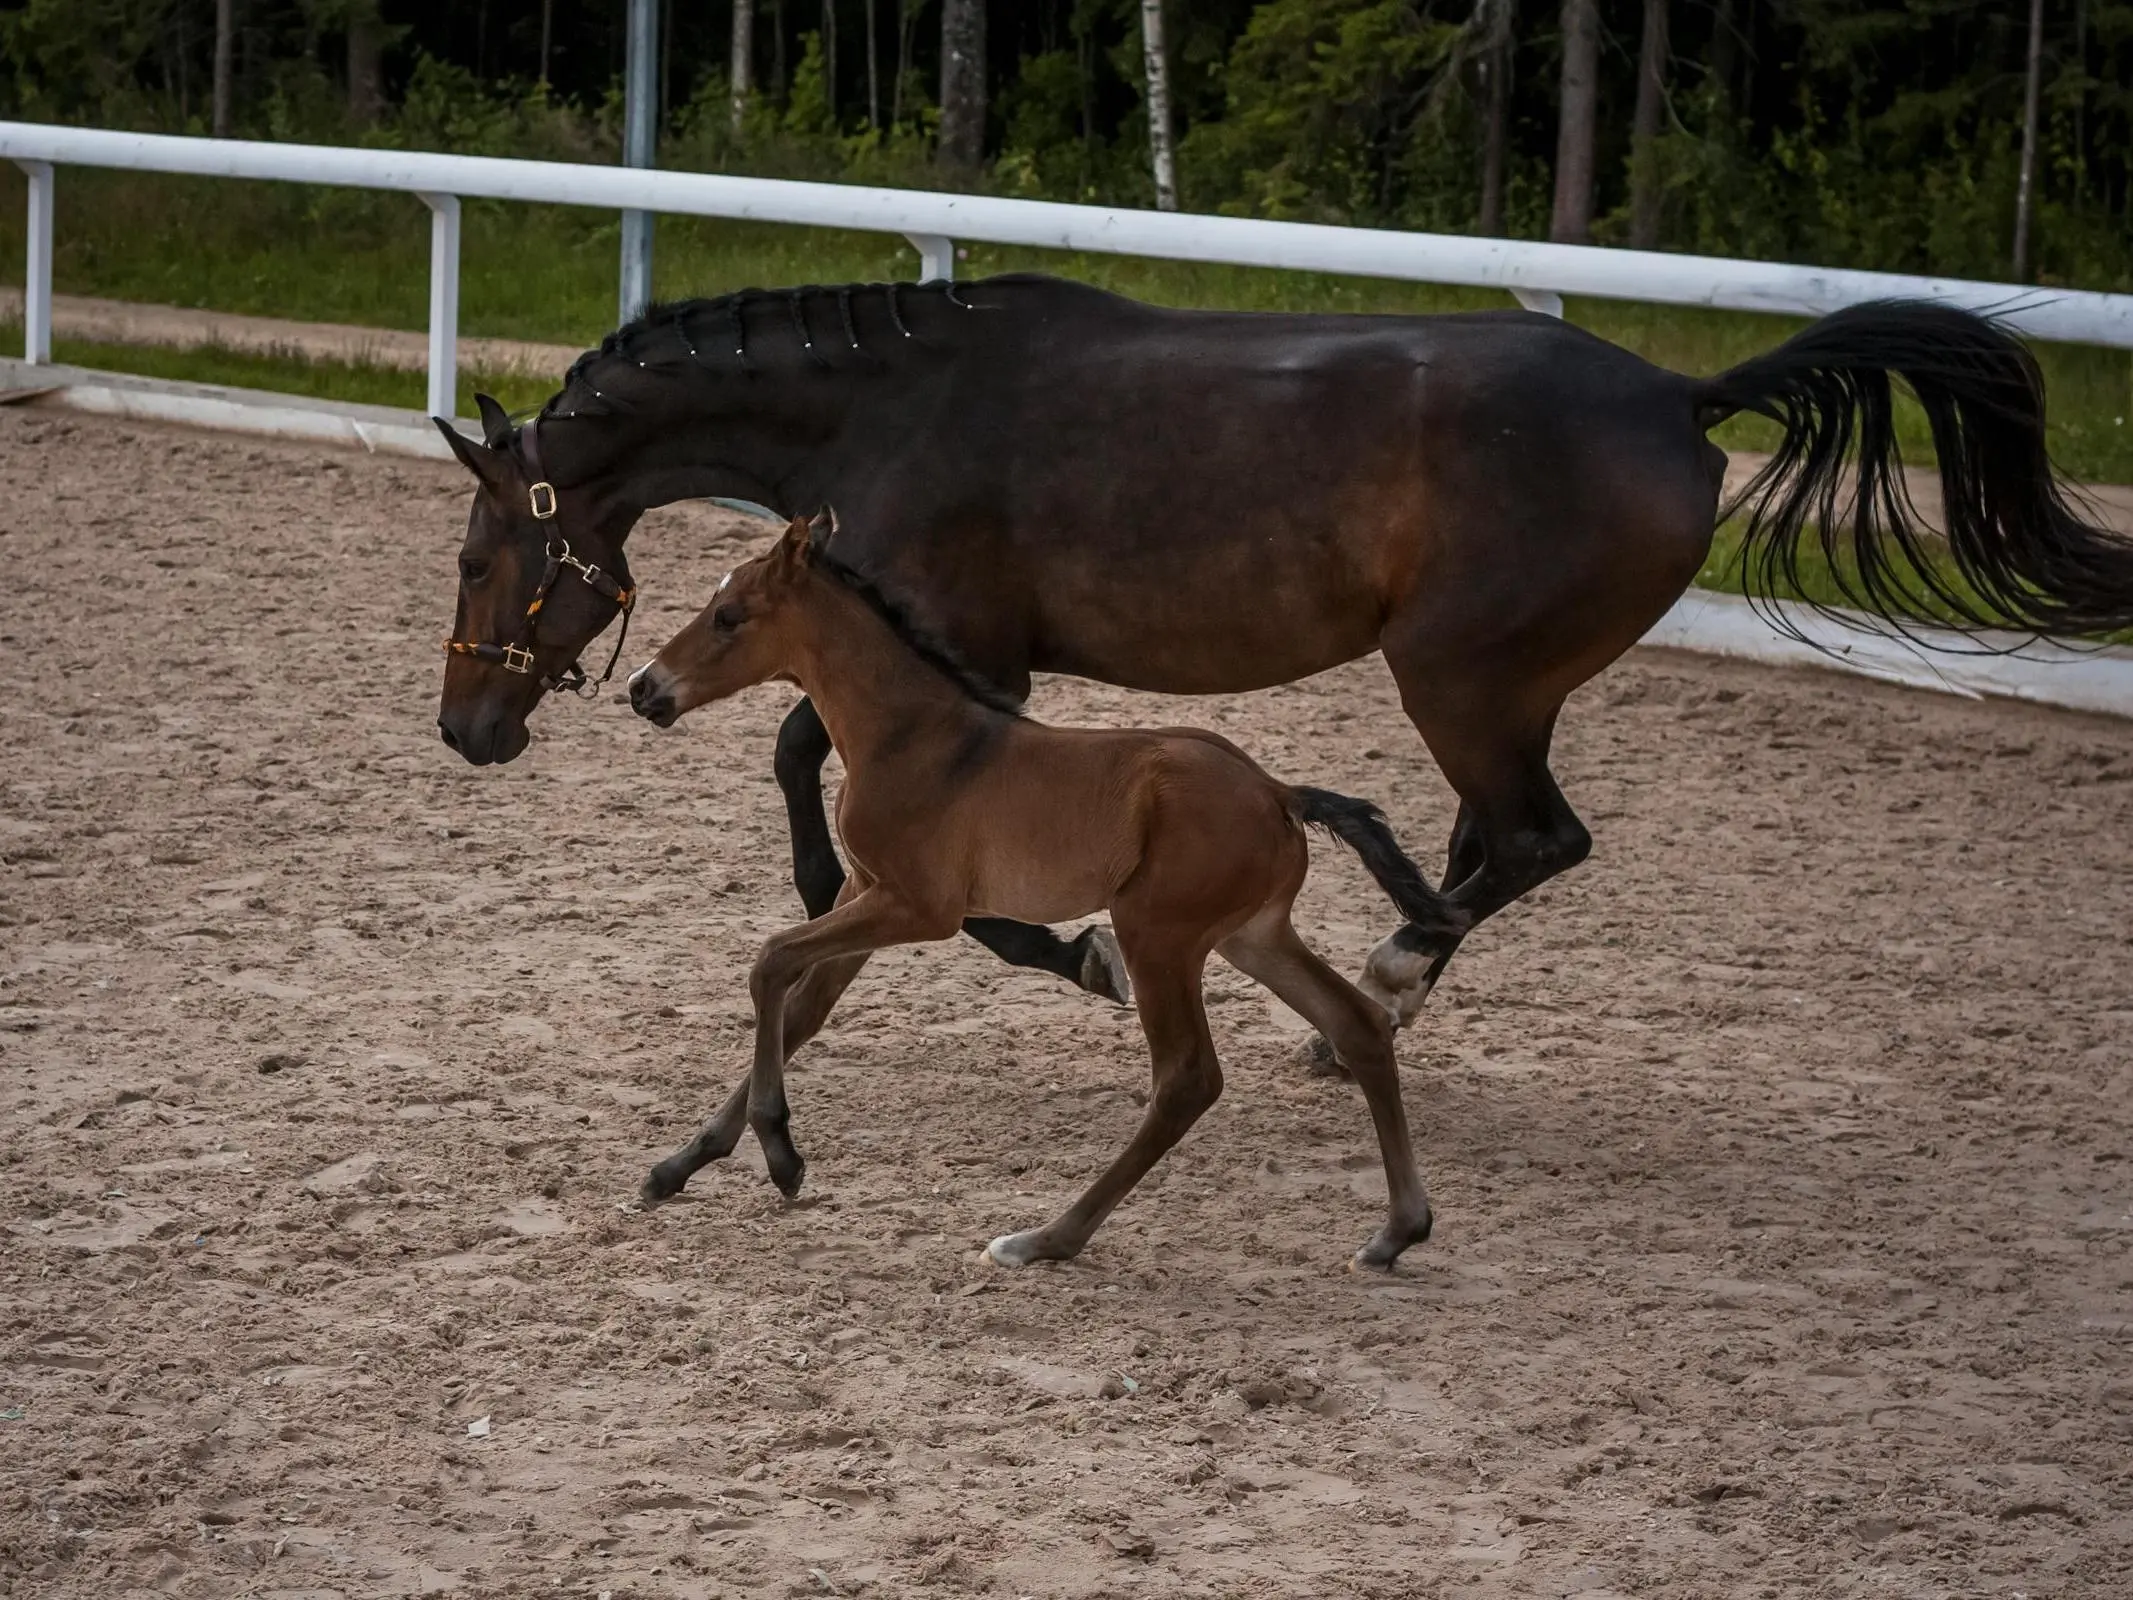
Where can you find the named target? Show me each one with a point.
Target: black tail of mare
(1361, 826)
(2020, 552)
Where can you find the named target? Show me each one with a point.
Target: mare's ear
(495, 422)
(819, 529)
(484, 463)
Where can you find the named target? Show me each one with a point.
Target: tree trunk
(829, 61)
(780, 84)
(1161, 148)
(1496, 111)
(1571, 222)
(547, 37)
(873, 71)
(1723, 62)
(962, 83)
(1645, 195)
(366, 63)
(2025, 187)
(225, 59)
(740, 67)
(906, 26)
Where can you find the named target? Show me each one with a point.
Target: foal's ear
(479, 459)
(495, 422)
(796, 548)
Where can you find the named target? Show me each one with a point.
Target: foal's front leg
(871, 920)
(807, 1008)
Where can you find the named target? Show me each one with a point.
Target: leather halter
(518, 656)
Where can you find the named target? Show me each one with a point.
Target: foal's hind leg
(1269, 949)
(806, 1009)
(1188, 1079)
(1090, 959)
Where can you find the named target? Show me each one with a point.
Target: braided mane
(715, 334)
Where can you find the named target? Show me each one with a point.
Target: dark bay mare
(1061, 480)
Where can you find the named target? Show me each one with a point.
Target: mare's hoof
(1317, 1059)
(787, 1168)
(1020, 1249)
(1385, 1247)
(1103, 966)
(661, 1184)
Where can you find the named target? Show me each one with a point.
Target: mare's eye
(472, 569)
(726, 619)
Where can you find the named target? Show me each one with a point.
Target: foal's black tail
(1362, 828)
(2020, 553)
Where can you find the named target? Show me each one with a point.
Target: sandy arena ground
(1785, 1216)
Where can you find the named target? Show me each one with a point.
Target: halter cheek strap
(518, 657)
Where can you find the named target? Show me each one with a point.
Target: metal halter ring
(517, 657)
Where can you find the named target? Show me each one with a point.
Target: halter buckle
(518, 658)
(543, 510)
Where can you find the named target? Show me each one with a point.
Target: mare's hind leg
(807, 1008)
(1090, 959)
(1269, 949)
(1515, 829)
(1188, 1079)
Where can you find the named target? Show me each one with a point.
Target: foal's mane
(755, 330)
(928, 646)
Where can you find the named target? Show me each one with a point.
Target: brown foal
(955, 805)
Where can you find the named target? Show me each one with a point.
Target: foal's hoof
(1020, 1249)
(1385, 1246)
(1103, 966)
(1316, 1057)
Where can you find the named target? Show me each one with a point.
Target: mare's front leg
(870, 920)
(1091, 959)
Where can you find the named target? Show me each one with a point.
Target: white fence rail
(1537, 274)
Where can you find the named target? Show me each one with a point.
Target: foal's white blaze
(631, 681)
(721, 589)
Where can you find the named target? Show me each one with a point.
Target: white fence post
(936, 257)
(1546, 301)
(444, 303)
(640, 146)
(37, 283)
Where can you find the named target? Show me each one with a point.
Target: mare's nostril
(451, 741)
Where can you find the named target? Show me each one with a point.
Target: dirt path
(80, 316)
(1785, 1240)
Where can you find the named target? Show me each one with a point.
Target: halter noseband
(518, 656)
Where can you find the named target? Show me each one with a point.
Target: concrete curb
(1708, 623)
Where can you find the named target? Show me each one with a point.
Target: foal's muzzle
(652, 695)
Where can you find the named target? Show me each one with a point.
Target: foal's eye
(472, 569)
(725, 619)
